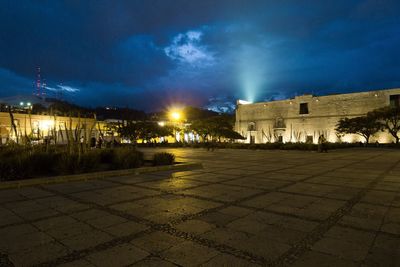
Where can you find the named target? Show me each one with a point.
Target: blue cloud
(143, 54)
(187, 48)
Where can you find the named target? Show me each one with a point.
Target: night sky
(149, 54)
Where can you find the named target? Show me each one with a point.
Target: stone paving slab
(244, 208)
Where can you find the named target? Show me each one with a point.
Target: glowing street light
(175, 115)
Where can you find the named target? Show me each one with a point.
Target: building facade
(304, 118)
(40, 127)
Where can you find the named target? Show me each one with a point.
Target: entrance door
(252, 139)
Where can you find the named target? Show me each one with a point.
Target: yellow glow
(161, 123)
(46, 124)
(175, 115)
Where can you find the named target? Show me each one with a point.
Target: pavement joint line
(173, 191)
(162, 227)
(96, 175)
(165, 226)
(42, 218)
(105, 208)
(377, 233)
(72, 212)
(342, 186)
(305, 244)
(369, 230)
(311, 195)
(152, 257)
(228, 180)
(79, 254)
(217, 246)
(115, 185)
(44, 197)
(237, 202)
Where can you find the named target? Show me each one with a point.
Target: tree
(215, 127)
(389, 117)
(131, 130)
(366, 126)
(145, 130)
(200, 127)
(151, 130)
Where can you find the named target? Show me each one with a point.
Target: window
(251, 126)
(309, 139)
(303, 108)
(395, 101)
(252, 139)
(279, 123)
(280, 139)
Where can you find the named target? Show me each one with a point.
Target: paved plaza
(244, 208)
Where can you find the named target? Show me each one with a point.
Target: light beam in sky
(252, 72)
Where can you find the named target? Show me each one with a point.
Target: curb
(98, 175)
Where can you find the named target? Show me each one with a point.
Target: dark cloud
(149, 54)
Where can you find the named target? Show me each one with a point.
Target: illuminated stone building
(304, 118)
(55, 128)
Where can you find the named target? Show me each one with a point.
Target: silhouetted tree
(389, 117)
(366, 126)
(216, 127)
(145, 130)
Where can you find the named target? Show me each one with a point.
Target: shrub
(19, 162)
(125, 158)
(42, 163)
(68, 163)
(13, 167)
(163, 158)
(89, 161)
(106, 155)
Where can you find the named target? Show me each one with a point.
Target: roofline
(328, 95)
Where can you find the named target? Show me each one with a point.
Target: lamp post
(175, 116)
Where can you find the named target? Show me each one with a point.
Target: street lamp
(175, 117)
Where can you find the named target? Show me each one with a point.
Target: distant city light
(21, 103)
(28, 104)
(161, 123)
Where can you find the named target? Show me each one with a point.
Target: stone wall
(42, 126)
(281, 120)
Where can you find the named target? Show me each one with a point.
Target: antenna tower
(38, 82)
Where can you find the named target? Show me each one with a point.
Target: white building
(305, 118)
